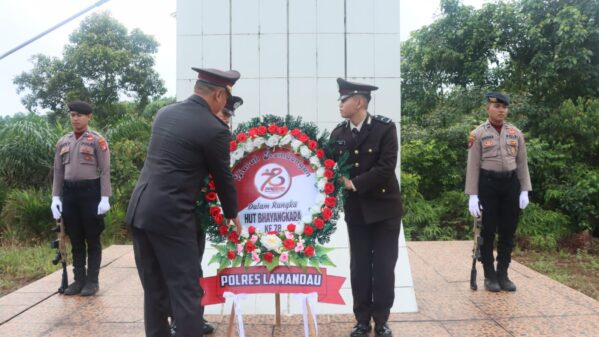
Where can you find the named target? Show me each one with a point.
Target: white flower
(237, 154)
(259, 141)
(320, 184)
(244, 233)
(320, 172)
(299, 228)
(315, 161)
(295, 144)
(248, 146)
(232, 162)
(271, 242)
(305, 151)
(286, 139)
(273, 140)
(320, 198)
(315, 209)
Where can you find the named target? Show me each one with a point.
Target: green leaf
(222, 249)
(214, 258)
(273, 264)
(326, 261)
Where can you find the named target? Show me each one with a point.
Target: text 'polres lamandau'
(279, 279)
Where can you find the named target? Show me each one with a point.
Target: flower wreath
(300, 245)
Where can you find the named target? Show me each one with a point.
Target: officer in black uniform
(373, 206)
(186, 145)
(82, 179)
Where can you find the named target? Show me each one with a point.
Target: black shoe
(74, 288)
(491, 284)
(361, 329)
(505, 283)
(382, 330)
(208, 328)
(90, 288)
(173, 328)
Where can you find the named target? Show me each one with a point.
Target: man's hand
(523, 199)
(347, 183)
(56, 207)
(103, 206)
(238, 226)
(473, 206)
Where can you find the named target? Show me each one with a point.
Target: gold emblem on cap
(493, 99)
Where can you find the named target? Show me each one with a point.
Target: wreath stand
(310, 320)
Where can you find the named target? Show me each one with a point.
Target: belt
(81, 183)
(497, 174)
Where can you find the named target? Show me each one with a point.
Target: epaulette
(342, 124)
(383, 119)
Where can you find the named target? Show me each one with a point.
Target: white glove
(473, 206)
(103, 206)
(56, 207)
(523, 199)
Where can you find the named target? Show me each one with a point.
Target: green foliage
(127, 159)
(26, 214)
(542, 227)
(151, 109)
(21, 264)
(102, 63)
(27, 151)
(115, 231)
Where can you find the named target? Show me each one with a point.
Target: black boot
(504, 281)
(491, 283)
(74, 288)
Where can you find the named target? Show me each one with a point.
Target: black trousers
(84, 226)
(373, 255)
(168, 270)
(499, 198)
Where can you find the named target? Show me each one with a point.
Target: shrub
(453, 213)
(115, 231)
(542, 228)
(26, 214)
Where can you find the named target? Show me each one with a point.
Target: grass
(579, 270)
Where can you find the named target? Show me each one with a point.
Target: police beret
(80, 107)
(348, 89)
(220, 78)
(496, 97)
(233, 103)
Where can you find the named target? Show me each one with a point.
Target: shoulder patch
(383, 119)
(471, 139)
(342, 124)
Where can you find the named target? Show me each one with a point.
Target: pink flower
(284, 257)
(254, 238)
(288, 235)
(299, 247)
(255, 257)
(239, 248)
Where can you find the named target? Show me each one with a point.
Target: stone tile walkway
(440, 271)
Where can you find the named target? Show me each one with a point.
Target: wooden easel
(311, 323)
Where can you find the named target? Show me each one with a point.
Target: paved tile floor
(440, 271)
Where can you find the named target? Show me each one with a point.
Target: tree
(102, 63)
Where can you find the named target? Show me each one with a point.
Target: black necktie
(355, 132)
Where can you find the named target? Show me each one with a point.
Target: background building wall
(290, 52)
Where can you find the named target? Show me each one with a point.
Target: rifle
(478, 241)
(61, 253)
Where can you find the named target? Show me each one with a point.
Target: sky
(21, 20)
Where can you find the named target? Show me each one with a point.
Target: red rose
(249, 246)
(211, 185)
(253, 132)
(291, 227)
(232, 146)
(218, 219)
(289, 244)
(242, 137)
(231, 255)
(303, 137)
(210, 196)
(268, 257)
(312, 144)
(282, 130)
(295, 132)
(320, 153)
(272, 128)
(261, 130)
(319, 223)
(329, 174)
(330, 201)
(308, 230)
(329, 188)
(223, 230)
(252, 230)
(214, 211)
(327, 213)
(329, 163)
(233, 237)
(309, 251)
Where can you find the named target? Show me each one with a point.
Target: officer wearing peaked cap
(82, 179)
(187, 143)
(497, 180)
(373, 207)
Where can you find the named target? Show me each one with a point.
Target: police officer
(225, 116)
(82, 179)
(497, 179)
(187, 144)
(373, 206)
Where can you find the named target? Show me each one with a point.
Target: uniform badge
(87, 157)
(511, 131)
(488, 143)
(103, 144)
(471, 139)
(90, 138)
(64, 150)
(340, 142)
